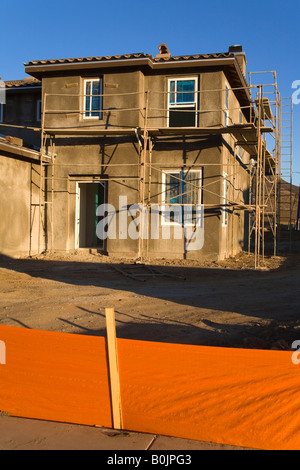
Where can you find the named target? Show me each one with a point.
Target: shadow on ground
(268, 298)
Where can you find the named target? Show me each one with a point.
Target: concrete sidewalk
(29, 434)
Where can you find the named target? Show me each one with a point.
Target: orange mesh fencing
(240, 397)
(55, 376)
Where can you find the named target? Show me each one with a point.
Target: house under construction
(149, 157)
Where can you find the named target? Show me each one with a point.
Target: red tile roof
(130, 57)
(88, 59)
(25, 82)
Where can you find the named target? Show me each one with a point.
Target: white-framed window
(225, 200)
(182, 102)
(181, 188)
(240, 116)
(1, 112)
(39, 110)
(93, 99)
(239, 153)
(226, 105)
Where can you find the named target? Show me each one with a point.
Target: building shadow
(268, 297)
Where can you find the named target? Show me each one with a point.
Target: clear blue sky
(267, 30)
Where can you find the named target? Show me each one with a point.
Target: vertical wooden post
(2, 353)
(113, 368)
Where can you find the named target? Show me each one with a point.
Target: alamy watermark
(295, 355)
(2, 353)
(296, 94)
(160, 221)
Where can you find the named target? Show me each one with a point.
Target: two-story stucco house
(173, 135)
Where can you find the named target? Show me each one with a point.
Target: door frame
(77, 206)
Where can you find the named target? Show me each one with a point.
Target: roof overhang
(22, 153)
(229, 62)
(26, 88)
(42, 67)
(39, 68)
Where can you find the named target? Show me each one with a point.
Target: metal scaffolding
(265, 172)
(287, 217)
(264, 168)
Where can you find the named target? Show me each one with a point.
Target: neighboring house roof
(25, 82)
(13, 147)
(17, 149)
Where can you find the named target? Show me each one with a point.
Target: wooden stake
(2, 353)
(113, 368)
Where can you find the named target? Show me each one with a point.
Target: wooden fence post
(2, 353)
(113, 368)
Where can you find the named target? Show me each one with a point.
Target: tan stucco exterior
(19, 202)
(114, 159)
(111, 151)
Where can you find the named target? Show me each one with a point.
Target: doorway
(89, 195)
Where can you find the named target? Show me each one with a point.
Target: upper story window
(239, 153)
(239, 148)
(226, 105)
(93, 98)
(1, 112)
(182, 102)
(240, 116)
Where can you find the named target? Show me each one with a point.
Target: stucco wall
(19, 182)
(115, 160)
(123, 99)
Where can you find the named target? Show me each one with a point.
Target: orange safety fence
(240, 397)
(55, 376)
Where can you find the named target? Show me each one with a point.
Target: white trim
(239, 153)
(226, 104)
(241, 117)
(163, 195)
(189, 104)
(77, 205)
(77, 216)
(100, 111)
(225, 200)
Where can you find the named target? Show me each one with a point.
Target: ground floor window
(225, 200)
(181, 188)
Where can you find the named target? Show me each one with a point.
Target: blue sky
(267, 30)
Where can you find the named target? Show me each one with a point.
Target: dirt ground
(225, 303)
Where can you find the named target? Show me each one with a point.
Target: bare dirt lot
(220, 304)
(227, 304)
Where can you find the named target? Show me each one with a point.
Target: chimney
(163, 52)
(240, 55)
